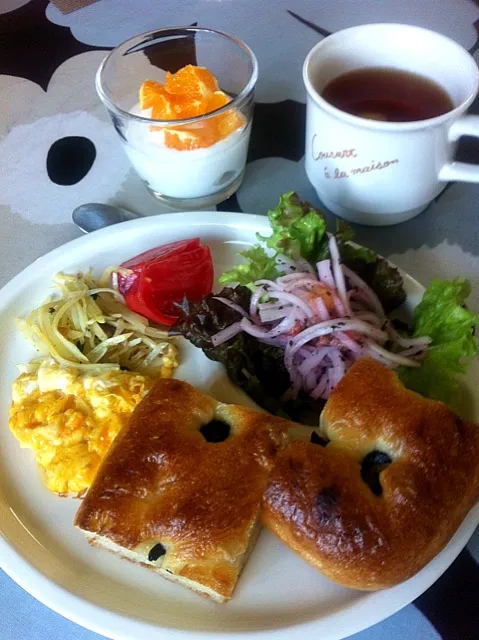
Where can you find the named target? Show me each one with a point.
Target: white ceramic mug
(382, 173)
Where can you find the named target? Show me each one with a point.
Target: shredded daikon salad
(324, 320)
(86, 325)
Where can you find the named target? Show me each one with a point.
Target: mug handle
(461, 171)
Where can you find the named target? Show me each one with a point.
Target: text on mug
(374, 166)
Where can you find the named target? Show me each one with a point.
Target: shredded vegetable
(323, 322)
(86, 325)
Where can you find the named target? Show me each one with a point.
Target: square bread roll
(180, 489)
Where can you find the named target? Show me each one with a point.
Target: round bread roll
(397, 476)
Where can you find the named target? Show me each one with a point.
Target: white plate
(279, 596)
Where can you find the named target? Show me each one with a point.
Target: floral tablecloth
(58, 150)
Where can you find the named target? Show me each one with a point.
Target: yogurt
(189, 173)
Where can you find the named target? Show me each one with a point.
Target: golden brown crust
(162, 482)
(319, 505)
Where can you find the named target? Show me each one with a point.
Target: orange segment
(167, 106)
(190, 92)
(149, 92)
(196, 82)
(188, 139)
(189, 107)
(164, 108)
(217, 100)
(170, 107)
(227, 122)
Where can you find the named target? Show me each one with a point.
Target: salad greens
(260, 266)
(255, 367)
(298, 229)
(299, 233)
(442, 316)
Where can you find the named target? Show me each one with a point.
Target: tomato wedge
(161, 252)
(164, 275)
(139, 262)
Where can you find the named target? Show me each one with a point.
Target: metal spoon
(92, 216)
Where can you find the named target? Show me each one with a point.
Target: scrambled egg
(70, 419)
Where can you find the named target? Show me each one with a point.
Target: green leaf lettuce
(259, 266)
(442, 316)
(298, 229)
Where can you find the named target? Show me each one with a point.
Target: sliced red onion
(349, 343)
(328, 327)
(268, 283)
(289, 266)
(253, 305)
(286, 265)
(226, 334)
(417, 351)
(314, 360)
(371, 353)
(312, 301)
(323, 313)
(395, 358)
(302, 282)
(270, 315)
(282, 259)
(258, 332)
(232, 305)
(325, 274)
(320, 390)
(289, 297)
(356, 355)
(422, 341)
(294, 304)
(307, 350)
(296, 384)
(282, 268)
(358, 282)
(339, 306)
(338, 369)
(293, 276)
(304, 265)
(272, 305)
(338, 324)
(338, 274)
(311, 380)
(369, 316)
(275, 342)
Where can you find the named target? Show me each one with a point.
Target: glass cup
(182, 178)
